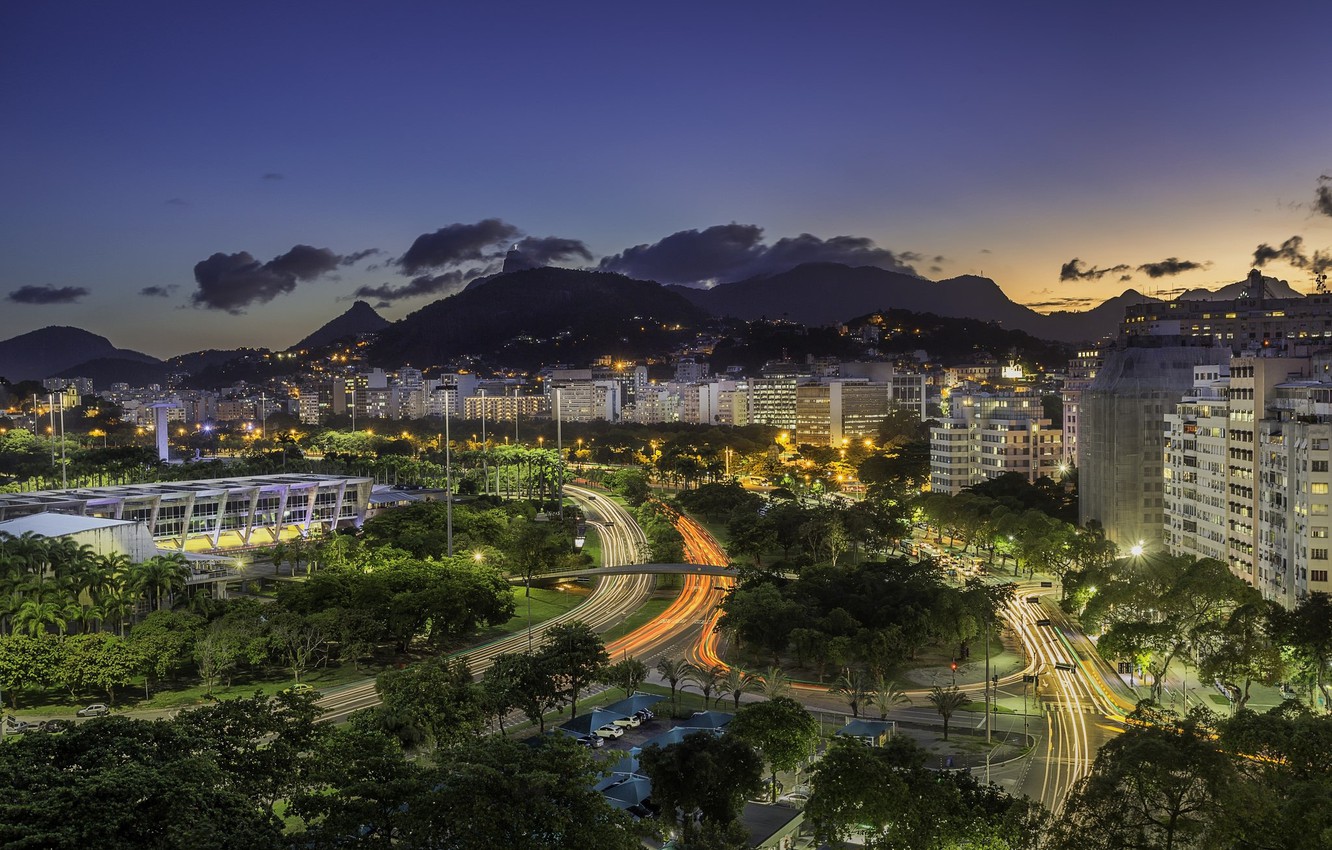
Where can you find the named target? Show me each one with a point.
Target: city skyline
(172, 171)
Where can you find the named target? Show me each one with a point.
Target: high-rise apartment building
(986, 435)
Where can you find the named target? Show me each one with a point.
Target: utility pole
(448, 480)
(63, 482)
(987, 690)
(559, 452)
(50, 408)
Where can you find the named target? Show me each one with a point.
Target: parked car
(14, 726)
(593, 742)
(793, 800)
(628, 722)
(610, 730)
(644, 715)
(57, 725)
(300, 688)
(97, 709)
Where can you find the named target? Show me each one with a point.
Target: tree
(153, 784)
(760, 615)
(261, 743)
(547, 794)
(854, 687)
(575, 656)
(707, 679)
(946, 701)
(626, 674)
(887, 695)
(101, 662)
(783, 732)
(1307, 630)
(775, 683)
(164, 641)
(298, 640)
(736, 683)
(704, 773)
(673, 670)
(438, 695)
(357, 784)
(521, 682)
(1161, 784)
(1240, 651)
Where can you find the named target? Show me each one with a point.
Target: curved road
(615, 597)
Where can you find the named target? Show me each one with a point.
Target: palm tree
(35, 615)
(854, 687)
(775, 683)
(162, 574)
(673, 670)
(736, 683)
(946, 701)
(707, 680)
(887, 696)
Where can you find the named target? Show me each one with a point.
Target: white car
(630, 722)
(610, 730)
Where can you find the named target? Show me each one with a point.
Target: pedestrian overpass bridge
(633, 570)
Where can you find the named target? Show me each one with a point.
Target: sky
(179, 176)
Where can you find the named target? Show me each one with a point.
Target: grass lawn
(546, 604)
(592, 546)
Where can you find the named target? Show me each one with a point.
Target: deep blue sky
(142, 138)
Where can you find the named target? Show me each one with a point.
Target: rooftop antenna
(1320, 284)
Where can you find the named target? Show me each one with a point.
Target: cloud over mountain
(232, 282)
(458, 243)
(47, 294)
(1169, 266)
(1076, 269)
(728, 252)
(1292, 251)
(533, 252)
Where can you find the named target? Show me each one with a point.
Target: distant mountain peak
(46, 352)
(359, 318)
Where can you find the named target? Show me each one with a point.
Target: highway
(615, 597)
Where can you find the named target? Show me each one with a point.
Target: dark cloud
(158, 291)
(458, 243)
(47, 294)
(1063, 304)
(1125, 277)
(386, 293)
(273, 175)
(1292, 251)
(304, 262)
(1323, 195)
(1170, 266)
(532, 252)
(936, 269)
(178, 202)
(233, 282)
(939, 259)
(727, 252)
(356, 256)
(1075, 269)
(719, 252)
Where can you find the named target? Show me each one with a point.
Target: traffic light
(954, 665)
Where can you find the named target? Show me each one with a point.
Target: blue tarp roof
(634, 702)
(674, 735)
(866, 728)
(584, 724)
(627, 791)
(707, 720)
